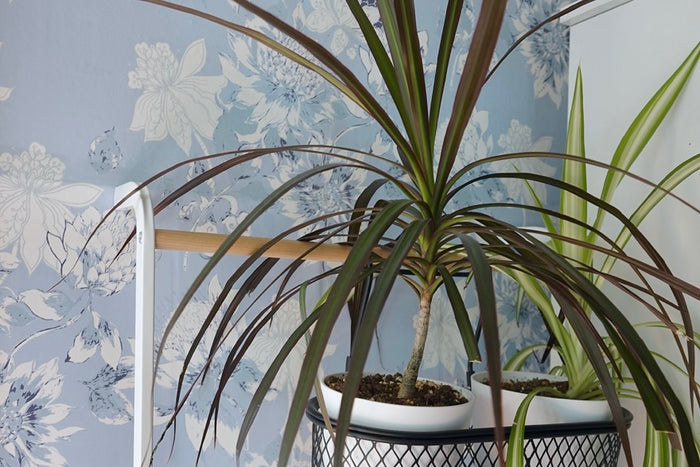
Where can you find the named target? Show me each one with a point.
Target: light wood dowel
(208, 243)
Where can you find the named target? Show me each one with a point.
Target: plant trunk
(410, 374)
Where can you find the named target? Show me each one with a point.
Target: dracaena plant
(571, 234)
(417, 236)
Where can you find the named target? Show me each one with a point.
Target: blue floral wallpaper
(94, 93)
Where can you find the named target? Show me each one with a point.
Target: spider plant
(576, 232)
(416, 236)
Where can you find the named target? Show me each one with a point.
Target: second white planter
(543, 410)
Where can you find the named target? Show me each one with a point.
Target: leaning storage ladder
(144, 313)
(148, 239)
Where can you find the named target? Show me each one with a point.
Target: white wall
(626, 54)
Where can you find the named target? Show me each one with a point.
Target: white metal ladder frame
(147, 240)
(144, 315)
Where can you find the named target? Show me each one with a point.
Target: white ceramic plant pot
(380, 415)
(543, 410)
(396, 418)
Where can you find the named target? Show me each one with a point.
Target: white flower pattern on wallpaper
(104, 152)
(269, 342)
(98, 334)
(44, 305)
(174, 101)
(519, 333)
(111, 391)
(17, 309)
(547, 51)
(477, 143)
(330, 14)
(285, 100)
(35, 201)
(98, 268)
(196, 409)
(211, 214)
(335, 16)
(374, 75)
(518, 138)
(329, 191)
(30, 415)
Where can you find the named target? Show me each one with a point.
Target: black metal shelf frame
(591, 444)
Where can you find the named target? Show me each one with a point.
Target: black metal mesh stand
(593, 444)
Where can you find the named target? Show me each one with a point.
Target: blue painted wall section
(94, 93)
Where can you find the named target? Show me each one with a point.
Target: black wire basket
(591, 444)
